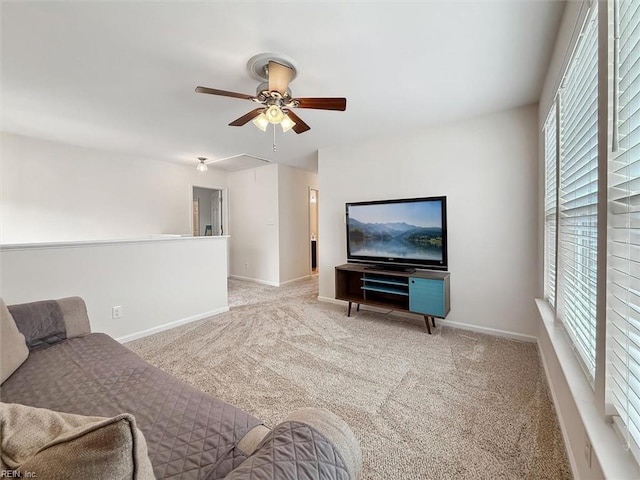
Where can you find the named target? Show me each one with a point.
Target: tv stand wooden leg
(357, 307)
(349, 310)
(426, 321)
(433, 321)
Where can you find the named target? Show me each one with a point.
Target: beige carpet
(452, 405)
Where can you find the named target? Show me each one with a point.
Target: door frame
(224, 214)
(317, 190)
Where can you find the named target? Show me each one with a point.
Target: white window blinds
(550, 206)
(578, 195)
(623, 312)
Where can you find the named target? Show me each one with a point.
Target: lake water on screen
(395, 249)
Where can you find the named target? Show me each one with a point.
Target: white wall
(253, 224)
(56, 192)
(293, 207)
(158, 283)
(269, 223)
(487, 168)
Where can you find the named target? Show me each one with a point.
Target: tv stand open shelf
(422, 292)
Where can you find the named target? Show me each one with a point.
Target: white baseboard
(488, 330)
(266, 282)
(295, 279)
(255, 280)
(463, 326)
(167, 326)
(331, 300)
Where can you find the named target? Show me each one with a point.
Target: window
(578, 195)
(550, 206)
(572, 145)
(623, 302)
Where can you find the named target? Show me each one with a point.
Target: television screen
(407, 232)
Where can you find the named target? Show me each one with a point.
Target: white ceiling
(121, 75)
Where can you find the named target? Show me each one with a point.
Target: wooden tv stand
(422, 292)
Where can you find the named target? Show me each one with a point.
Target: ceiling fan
(275, 97)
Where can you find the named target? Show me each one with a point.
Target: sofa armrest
(310, 443)
(76, 318)
(252, 439)
(48, 322)
(335, 430)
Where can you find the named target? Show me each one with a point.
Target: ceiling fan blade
(279, 77)
(323, 103)
(223, 93)
(246, 117)
(300, 126)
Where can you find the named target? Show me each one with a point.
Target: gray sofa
(189, 434)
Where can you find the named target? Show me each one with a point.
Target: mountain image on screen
(395, 240)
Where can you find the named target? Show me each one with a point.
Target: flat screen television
(398, 234)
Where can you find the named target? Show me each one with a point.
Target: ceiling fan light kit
(276, 72)
(287, 124)
(261, 121)
(274, 114)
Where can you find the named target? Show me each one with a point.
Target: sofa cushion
(47, 444)
(41, 323)
(13, 351)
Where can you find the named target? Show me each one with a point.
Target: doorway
(207, 212)
(313, 229)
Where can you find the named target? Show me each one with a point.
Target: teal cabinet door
(426, 296)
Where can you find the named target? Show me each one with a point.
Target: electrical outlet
(116, 312)
(587, 450)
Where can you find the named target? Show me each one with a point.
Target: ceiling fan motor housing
(263, 90)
